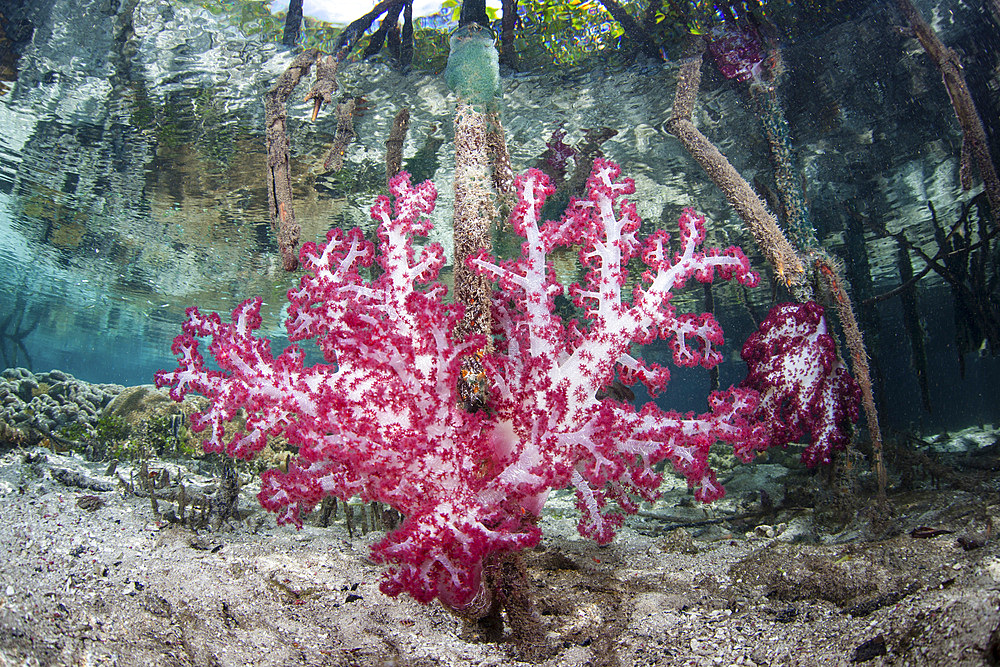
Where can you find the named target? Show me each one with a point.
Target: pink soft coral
(381, 419)
(805, 389)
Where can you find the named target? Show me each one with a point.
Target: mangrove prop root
(644, 41)
(763, 226)
(911, 322)
(293, 23)
(775, 247)
(508, 24)
(787, 178)
(346, 111)
(386, 33)
(473, 73)
(503, 172)
(474, 213)
(357, 28)
(394, 144)
(325, 86)
(859, 365)
(975, 146)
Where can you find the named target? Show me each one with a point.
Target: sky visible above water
(345, 11)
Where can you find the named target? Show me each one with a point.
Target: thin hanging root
(859, 364)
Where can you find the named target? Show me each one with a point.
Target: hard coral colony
(382, 418)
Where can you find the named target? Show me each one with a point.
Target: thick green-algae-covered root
(473, 71)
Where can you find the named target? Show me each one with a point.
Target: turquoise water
(132, 175)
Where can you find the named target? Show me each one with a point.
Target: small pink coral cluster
(382, 419)
(738, 51)
(804, 387)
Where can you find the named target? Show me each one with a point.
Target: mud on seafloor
(91, 582)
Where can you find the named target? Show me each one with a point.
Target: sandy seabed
(108, 582)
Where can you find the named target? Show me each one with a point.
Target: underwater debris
(970, 541)
(90, 503)
(78, 479)
(927, 531)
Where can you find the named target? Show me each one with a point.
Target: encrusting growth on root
(346, 112)
(482, 168)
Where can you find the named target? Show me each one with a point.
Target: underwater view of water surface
(591, 332)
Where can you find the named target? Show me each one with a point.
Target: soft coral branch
(605, 448)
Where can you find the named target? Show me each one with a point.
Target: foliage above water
(552, 32)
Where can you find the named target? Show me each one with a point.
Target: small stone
(764, 530)
(89, 502)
